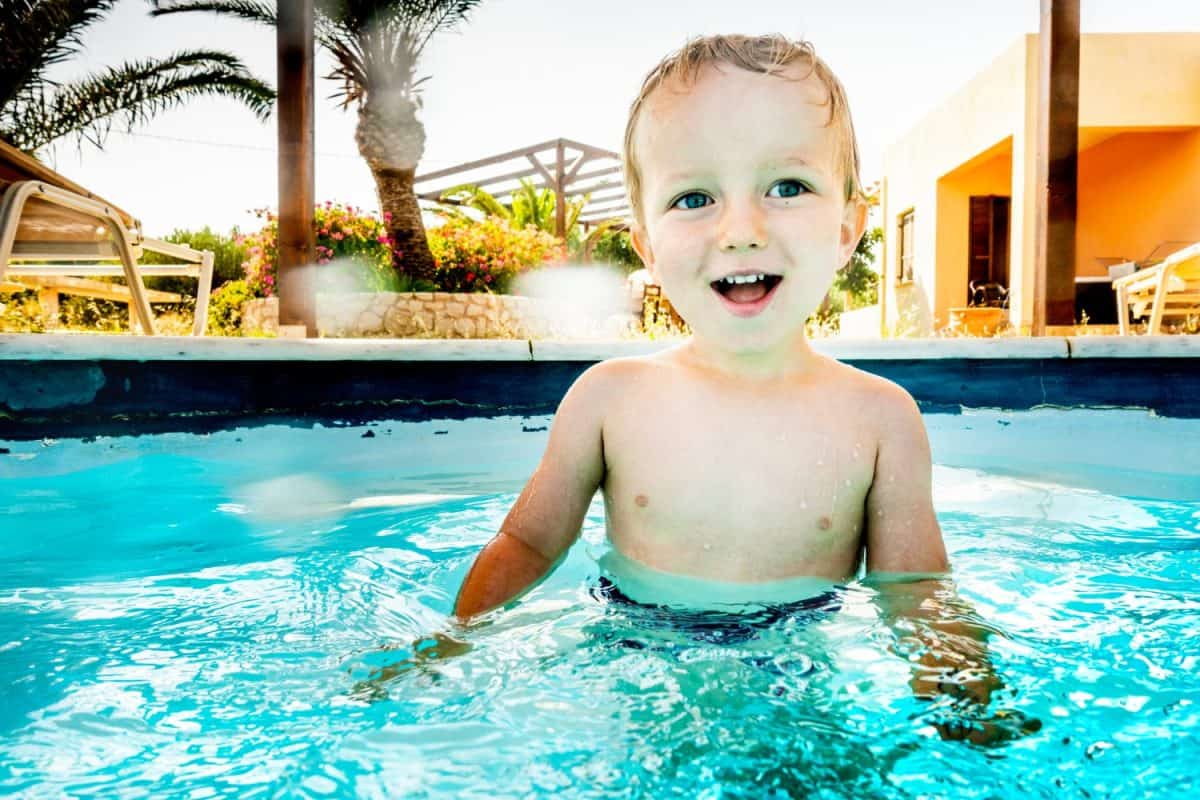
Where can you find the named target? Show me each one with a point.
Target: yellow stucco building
(958, 193)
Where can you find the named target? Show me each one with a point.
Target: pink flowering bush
(470, 256)
(344, 234)
(485, 255)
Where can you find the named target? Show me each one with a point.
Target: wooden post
(560, 202)
(297, 244)
(48, 300)
(1057, 165)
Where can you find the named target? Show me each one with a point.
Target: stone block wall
(441, 315)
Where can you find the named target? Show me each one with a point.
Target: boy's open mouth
(746, 289)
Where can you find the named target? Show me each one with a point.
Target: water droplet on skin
(803, 504)
(847, 481)
(820, 463)
(707, 546)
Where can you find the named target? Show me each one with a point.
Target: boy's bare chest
(770, 491)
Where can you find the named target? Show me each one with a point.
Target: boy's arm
(901, 531)
(907, 564)
(546, 518)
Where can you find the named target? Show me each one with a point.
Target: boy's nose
(742, 229)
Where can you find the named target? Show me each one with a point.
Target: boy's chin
(744, 342)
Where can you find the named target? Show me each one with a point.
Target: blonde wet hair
(769, 54)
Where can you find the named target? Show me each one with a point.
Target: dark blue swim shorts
(716, 627)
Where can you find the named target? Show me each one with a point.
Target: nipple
(642, 501)
(824, 523)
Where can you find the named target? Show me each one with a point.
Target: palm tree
(526, 206)
(36, 110)
(376, 45)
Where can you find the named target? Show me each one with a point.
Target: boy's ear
(641, 246)
(854, 223)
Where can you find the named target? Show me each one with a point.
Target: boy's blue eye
(789, 188)
(687, 201)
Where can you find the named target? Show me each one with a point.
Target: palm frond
(134, 92)
(574, 209)
(443, 15)
(601, 228)
(36, 34)
(376, 43)
(472, 196)
(261, 12)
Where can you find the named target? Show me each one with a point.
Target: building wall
(989, 174)
(1153, 178)
(1139, 122)
(974, 120)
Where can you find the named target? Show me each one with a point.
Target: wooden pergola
(557, 164)
(1057, 168)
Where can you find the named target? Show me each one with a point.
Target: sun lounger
(1170, 288)
(45, 218)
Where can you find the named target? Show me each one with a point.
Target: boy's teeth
(731, 279)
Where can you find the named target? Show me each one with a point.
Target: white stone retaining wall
(439, 315)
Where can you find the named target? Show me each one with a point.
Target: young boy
(741, 456)
(742, 462)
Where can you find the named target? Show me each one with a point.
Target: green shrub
(229, 254)
(20, 312)
(225, 308)
(858, 277)
(485, 255)
(615, 247)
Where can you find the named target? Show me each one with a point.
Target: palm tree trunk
(391, 139)
(411, 254)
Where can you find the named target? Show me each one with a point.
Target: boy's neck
(793, 359)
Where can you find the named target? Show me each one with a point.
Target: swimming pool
(203, 615)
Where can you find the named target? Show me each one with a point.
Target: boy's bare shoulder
(615, 379)
(874, 395)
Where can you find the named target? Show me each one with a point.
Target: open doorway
(987, 271)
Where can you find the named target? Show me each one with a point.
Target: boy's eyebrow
(794, 160)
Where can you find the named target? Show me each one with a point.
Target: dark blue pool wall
(56, 398)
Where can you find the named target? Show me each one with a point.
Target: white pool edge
(95, 347)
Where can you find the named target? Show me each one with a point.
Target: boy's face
(739, 178)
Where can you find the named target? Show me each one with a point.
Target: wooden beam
(602, 217)
(594, 188)
(595, 173)
(83, 287)
(615, 204)
(595, 152)
(297, 242)
(434, 194)
(573, 170)
(508, 176)
(1057, 155)
(487, 162)
(560, 201)
(541, 169)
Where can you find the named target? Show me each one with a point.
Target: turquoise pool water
(202, 616)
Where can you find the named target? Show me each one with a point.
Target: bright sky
(524, 71)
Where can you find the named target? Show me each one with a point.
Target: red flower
(470, 277)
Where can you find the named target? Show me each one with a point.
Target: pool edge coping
(100, 347)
